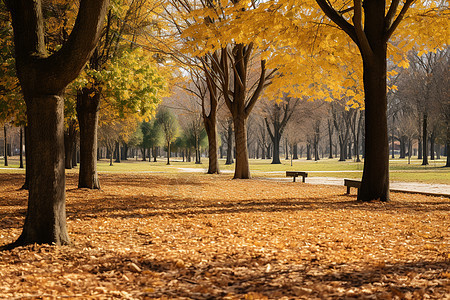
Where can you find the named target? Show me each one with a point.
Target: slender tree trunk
(69, 136)
(447, 145)
(432, 144)
(168, 153)
(28, 160)
(74, 153)
(229, 160)
(88, 105)
(425, 140)
(342, 151)
(330, 138)
(5, 145)
(392, 138)
(117, 152)
(21, 148)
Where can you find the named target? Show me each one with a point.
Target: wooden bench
(295, 174)
(349, 183)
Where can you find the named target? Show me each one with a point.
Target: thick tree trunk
(425, 140)
(375, 179)
(276, 148)
(88, 105)
(124, 152)
(45, 221)
(295, 150)
(242, 169)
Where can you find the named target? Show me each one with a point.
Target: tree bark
(211, 131)
(45, 221)
(28, 160)
(43, 79)
(295, 150)
(229, 160)
(69, 137)
(242, 168)
(88, 105)
(21, 148)
(375, 179)
(5, 145)
(447, 142)
(425, 140)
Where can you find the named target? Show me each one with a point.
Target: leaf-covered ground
(146, 236)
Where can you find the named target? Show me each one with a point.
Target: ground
(195, 236)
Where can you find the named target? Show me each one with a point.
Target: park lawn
(187, 235)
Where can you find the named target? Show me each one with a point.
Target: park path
(395, 186)
(406, 187)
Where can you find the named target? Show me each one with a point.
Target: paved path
(408, 187)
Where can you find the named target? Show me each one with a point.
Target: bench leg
(348, 190)
(303, 179)
(294, 179)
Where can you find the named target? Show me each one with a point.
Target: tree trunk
(229, 144)
(425, 140)
(117, 152)
(276, 147)
(168, 153)
(211, 131)
(69, 137)
(21, 148)
(88, 105)
(308, 151)
(28, 161)
(447, 145)
(45, 221)
(330, 138)
(432, 144)
(375, 178)
(295, 150)
(242, 169)
(74, 153)
(342, 151)
(124, 151)
(6, 146)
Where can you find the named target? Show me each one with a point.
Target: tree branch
(338, 19)
(389, 31)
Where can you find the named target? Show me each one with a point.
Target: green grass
(400, 169)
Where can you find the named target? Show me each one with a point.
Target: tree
(374, 23)
(278, 114)
(43, 78)
(169, 126)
